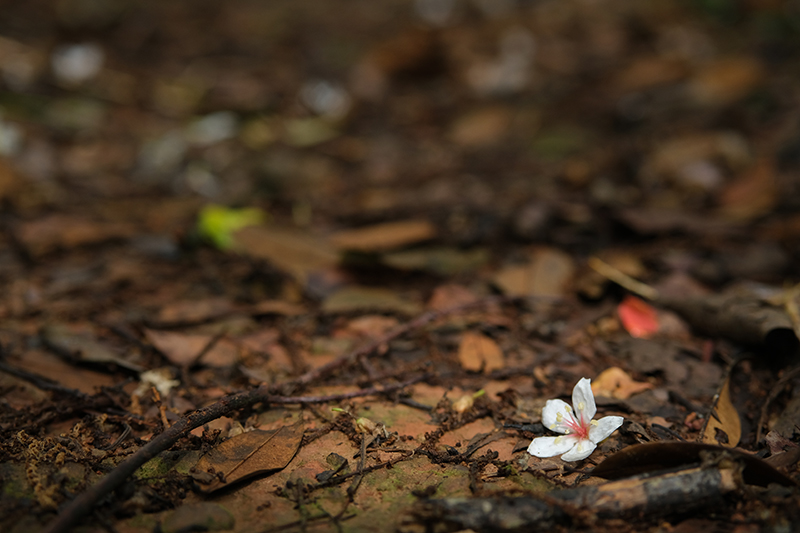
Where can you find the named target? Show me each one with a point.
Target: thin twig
(622, 279)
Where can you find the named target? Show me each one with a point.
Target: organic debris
(284, 266)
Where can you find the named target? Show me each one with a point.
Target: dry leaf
(295, 252)
(82, 347)
(752, 195)
(276, 307)
(725, 81)
(193, 311)
(548, 273)
(383, 237)
(372, 325)
(246, 455)
(50, 233)
(183, 349)
(369, 299)
(478, 352)
(480, 128)
(444, 261)
(450, 295)
(724, 418)
(616, 383)
(646, 72)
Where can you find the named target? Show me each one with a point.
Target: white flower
(581, 433)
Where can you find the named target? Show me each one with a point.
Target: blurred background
(578, 122)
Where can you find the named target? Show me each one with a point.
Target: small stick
(620, 278)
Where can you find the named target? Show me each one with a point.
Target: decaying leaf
(724, 426)
(616, 383)
(246, 455)
(478, 352)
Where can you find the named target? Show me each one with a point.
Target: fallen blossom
(581, 433)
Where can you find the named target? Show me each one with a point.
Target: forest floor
(319, 266)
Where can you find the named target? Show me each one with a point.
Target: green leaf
(217, 223)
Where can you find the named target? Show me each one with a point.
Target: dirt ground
(319, 266)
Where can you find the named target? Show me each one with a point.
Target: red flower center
(576, 427)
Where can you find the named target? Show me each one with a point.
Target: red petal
(638, 317)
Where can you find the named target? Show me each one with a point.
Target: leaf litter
(334, 269)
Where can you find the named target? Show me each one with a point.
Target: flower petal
(554, 414)
(583, 449)
(604, 427)
(550, 446)
(583, 401)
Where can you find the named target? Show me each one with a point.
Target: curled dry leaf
(616, 383)
(724, 426)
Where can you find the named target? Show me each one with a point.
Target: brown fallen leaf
(480, 128)
(478, 352)
(724, 418)
(296, 252)
(647, 72)
(246, 455)
(616, 383)
(444, 261)
(185, 349)
(82, 347)
(371, 326)
(193, 311)
(725, 81)
(53, 232)
(369, 299)
(276, 307)
(450, 295)
(548, 273)
(752, 195)
(383, 237)
(55, 369)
